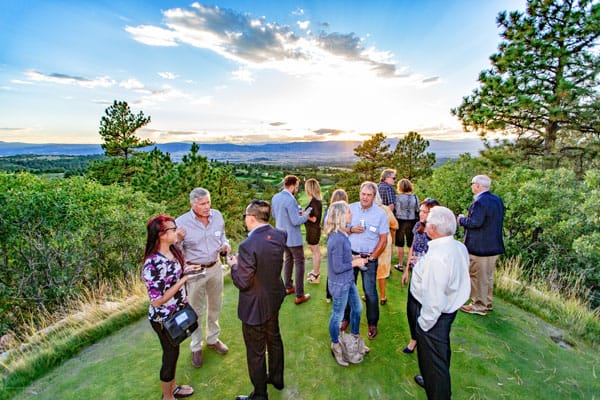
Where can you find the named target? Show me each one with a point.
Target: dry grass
(549, 298)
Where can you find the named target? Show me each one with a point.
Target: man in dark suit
(483, 239)
(256, 272)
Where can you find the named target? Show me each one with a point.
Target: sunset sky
(242, 71)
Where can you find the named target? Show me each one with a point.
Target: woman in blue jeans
(340, 264)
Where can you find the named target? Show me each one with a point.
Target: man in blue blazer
(483, 239)
(256, 272)
(289, 216)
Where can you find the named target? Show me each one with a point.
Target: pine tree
(543, 83)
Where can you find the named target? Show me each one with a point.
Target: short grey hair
(482, 180)
(198, 193)
(370, 185)
(386, 173)
(443, 219)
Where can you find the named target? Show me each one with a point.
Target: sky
(242, 71)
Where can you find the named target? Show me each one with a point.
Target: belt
(203, 265)
(355, 253)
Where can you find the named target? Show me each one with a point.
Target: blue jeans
(369, 284)
(348, 297)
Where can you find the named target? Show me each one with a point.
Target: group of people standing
(181, 265)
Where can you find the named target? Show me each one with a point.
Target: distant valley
(289, 153)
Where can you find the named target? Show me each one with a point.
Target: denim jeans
(369, 284)
(348, 297)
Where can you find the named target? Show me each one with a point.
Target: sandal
(383, 301)
(314, 278)
(183, 391)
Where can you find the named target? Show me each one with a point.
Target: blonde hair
(405, 186)
(339, 195)
(313, 189)
(336, 217)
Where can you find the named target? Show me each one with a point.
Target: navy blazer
(483, 226)
(257, 275)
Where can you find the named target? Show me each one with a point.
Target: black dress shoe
(420, 381)
(252, 396)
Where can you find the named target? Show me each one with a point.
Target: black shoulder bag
(181, 324)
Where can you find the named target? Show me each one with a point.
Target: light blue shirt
(201, 243)
(376, 223)
(284, 209)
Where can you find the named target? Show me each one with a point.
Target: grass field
(509, 354)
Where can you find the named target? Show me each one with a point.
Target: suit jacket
(284, 208)
(483, 226)
(257, 275)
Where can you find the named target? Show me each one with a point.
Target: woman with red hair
(163, 275)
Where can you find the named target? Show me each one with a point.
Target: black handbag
(181, 324)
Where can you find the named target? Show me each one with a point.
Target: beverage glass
(364, 255)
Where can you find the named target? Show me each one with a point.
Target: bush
(59, 235)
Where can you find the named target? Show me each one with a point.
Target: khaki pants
(205, 295)
(481, 270)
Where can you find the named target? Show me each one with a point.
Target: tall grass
(549, 298)
(49, 340)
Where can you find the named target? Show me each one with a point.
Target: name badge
(372, 229)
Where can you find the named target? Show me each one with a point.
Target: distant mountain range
(295, 153)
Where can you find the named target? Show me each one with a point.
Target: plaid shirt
(387, 193)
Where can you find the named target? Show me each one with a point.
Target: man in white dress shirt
(440, 285)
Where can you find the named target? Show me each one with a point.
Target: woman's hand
(405, 276)
(358, 261)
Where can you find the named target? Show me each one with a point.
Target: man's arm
(435, 279)
(243, 268)
(476, 216)
(380, 248)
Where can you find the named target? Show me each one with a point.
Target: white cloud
(303, 25)
(167, 75)
(63, 79)
(131, 84)
(261, 44)
(243, 74)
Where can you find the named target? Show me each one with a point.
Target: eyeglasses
(248, 215)
(170, 229)
(392, 177)
(473, 183)
(429, 200)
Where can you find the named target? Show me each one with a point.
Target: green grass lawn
(507, 355)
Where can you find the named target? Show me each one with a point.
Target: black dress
(313, 229)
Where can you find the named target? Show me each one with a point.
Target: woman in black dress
(313, 227)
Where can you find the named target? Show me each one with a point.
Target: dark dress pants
(433, 348)
(259, 340)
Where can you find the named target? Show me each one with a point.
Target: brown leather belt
(202, 265)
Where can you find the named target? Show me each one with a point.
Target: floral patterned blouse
(420, 241)
(159, 274)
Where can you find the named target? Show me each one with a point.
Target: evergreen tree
(117, 129)
(410, 159)
(543, 84)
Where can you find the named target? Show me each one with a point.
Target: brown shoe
(372, 332)
(472, 309)
(219, 347)
(197, 358)
(290, 290)
(302, 299)
(344, 325)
